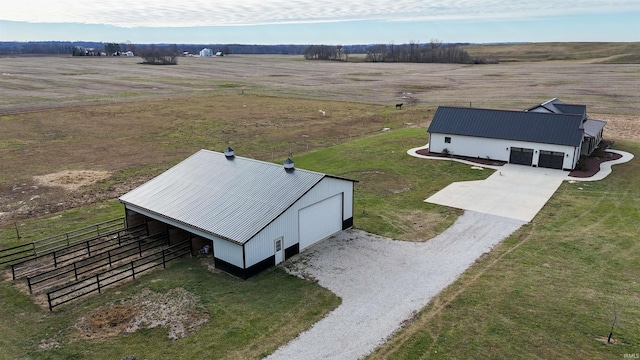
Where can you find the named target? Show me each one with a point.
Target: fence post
(75, 270)
(34, 249)
(140, 247)
(55, 261)
(98, 282)
(164, 265)
(88, 248)
(29, 284)
(49, 301)
(13, 271)
(109, 253)
(119, 238)
(67, 235)
(98, 229)
(133, 271)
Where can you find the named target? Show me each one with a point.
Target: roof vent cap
(228, 152)
(288, 164)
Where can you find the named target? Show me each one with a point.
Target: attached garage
(252, 214)
(521, 156)
(551, 159)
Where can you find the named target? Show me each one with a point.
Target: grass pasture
(608, 53)
(548, 291)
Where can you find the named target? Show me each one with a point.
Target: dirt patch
(605, 340)
(48, 344)
(178, 310)
(72, 179)
(625, 127)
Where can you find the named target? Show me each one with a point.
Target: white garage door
(320, 220)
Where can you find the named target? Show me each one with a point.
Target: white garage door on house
(320, 220)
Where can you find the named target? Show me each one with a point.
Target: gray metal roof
(232, 199)
(547, 128)
(592, 127)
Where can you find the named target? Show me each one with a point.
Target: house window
(447, 139)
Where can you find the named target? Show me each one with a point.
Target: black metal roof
(547, 128)
(572, 109)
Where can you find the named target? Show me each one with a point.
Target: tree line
(433, 52)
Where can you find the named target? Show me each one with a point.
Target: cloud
(189, 13)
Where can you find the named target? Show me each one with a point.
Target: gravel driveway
(383, 282)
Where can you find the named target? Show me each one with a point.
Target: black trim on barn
(291, 250)
(248, 272)
(230, 268)
(347, 223)
(259, 267)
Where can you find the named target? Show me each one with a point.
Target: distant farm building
(551, 135)
(219, 53)
(206, 52)
(127, 53)
(250, 214)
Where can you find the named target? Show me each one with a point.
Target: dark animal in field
(399, 106)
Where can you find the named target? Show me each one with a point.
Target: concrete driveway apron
(513, 191)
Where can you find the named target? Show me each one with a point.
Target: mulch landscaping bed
(591, 164)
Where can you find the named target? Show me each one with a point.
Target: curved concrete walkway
(513, 191)
(605, 167)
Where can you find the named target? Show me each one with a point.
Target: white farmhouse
(552, 134)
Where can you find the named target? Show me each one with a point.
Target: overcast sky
(319, 21)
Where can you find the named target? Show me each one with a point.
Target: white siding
(320, 220)
(497, 149)
(228, 251)
(286, 225)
